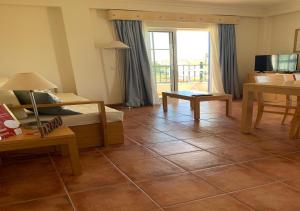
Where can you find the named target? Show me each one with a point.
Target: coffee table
(195, 99)
(31, 139)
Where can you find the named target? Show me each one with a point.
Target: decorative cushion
(7, 97)
(44, 98)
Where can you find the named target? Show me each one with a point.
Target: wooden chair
(273, 101)
(295, 124)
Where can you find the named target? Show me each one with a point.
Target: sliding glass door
(161, 51)
(193, 60)
(180, 60)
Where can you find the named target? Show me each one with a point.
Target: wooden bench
(195, 99)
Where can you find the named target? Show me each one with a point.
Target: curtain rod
(167, 16)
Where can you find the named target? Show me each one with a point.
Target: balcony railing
(186, 73)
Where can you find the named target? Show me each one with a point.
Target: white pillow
(9, 98)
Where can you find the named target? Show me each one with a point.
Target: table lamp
(29, 82)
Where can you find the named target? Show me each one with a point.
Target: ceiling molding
(170, 16)
(168, 6)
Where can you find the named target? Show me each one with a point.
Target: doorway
(180, 59)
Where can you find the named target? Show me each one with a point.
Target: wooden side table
(31, 139)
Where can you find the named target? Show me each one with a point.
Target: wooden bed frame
(91, 135)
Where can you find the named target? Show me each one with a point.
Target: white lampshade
(115, 45)
(27, 81)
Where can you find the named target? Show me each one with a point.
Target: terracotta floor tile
(271, 197)
(129, 153)
(114, 198)
(49, 204)
(293, 156)
(295, 183)
(180, 118)
(174, 189)
(173, 147)
(103, 187)
(277, 147)
(238, 153)
(92, 177)
(148, 168)
(242, 138)
(29, 187)
(167, 126)
(218, 203)
(197, 160)
(233, 177)
(139, 131)
(276, 167)
(186, 134)
(220, 131)
(152, 138)
(90, 158)
(208, 142)
(39, 167)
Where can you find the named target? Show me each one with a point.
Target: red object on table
(9, 125)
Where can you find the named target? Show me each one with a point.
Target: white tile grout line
(185, 171)
(63, 184)
(223, 193)
(39, 198)
(131, 181)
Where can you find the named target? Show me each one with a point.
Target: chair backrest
(289, 77)
(297, 76)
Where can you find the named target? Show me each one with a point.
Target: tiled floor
(169, 162)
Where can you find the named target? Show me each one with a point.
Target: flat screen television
(278, 63)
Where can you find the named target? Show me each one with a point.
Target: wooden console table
(31, 139)
(195, 100)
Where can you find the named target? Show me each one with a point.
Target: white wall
(103, 33)
(57, 38)
(26, 43)
(283, 32)
(246, 43)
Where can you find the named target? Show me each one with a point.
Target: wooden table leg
(229, 106)
(196, 104)
(165, 102)
(247, 110)
(74, 156)
(192, 104)
(294, 128)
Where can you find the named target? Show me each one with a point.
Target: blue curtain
(137, 71)
(228, 59)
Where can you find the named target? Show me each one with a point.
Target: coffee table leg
(196, 104)
(229, 106)
(165, 102)
(74, 156)
(192, 104)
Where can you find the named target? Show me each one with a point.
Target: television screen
(281, 62)
(287, 62)
(265, 63)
